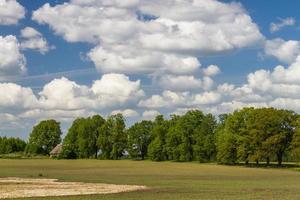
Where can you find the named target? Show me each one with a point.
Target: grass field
(166, 180)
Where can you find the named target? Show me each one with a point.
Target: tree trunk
(257, 162)
(247, 162)
(279, 158)
(268, 161)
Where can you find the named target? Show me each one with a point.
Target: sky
(67, 59)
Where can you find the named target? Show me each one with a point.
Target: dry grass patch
(20, 187)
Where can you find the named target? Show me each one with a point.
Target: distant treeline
(11, 145)
(247, 135)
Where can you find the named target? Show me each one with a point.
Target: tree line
(11, 145)
(246, 135)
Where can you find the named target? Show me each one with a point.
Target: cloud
(180, 83)
(279, 88)
(211, 70)
(116, 89)
(14, 97)
(66, 95)
(12, 61)
(127, 41)
(112, 90)
(10, 12)
(124, 59)
(65, 100)
(150, 114)
(274, 27)
(284, 51)
(166, 99)
(171, 99)
(61, 115)
(32, 39)
(126, 113)
(207, 98)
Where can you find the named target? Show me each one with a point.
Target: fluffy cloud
(284, 51)
(150, 114)
(126, 113)
(63, 99)
(274, 27)
(167, 99)
(171, 99)
(207, 98)
(10, 12)
(61, 115)
(279, 88)
(211, 70)
(138, 36)
(180, 83)
(124, 59)
(116, 89)
(12, 61)
(32, 39)
(65, 94)
(14, 96)
(111, 90)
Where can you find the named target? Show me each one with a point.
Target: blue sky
(113, 62)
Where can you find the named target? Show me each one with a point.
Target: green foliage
(112, 140)
(11, 145)
(82, 137)
(246, 135)
(44, 137)
(157, 148)
(295, 147)
(70, 145)
(139, 137)
(205, 139)
(256, 135)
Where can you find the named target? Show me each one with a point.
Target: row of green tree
(11, 145)
(247, 135)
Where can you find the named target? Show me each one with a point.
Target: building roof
(56, 150)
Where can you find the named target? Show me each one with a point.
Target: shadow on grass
(271, 165)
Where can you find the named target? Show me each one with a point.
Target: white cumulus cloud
(177, 32)
(284, 51)
(33, 39)
(12, 61)
(11, 12)
(274, 27)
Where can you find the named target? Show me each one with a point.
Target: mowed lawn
(166, 180)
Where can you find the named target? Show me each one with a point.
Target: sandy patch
(20, 187)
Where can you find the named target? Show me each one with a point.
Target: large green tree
(180, 137)
(262, 134)
(295, 147)
(44, 137)
(112, 140)
(81, 140)
(88, 134)
(70, 144)
(157, 149)
(139, 137)
(205, 139)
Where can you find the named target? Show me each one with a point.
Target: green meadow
(166, 180)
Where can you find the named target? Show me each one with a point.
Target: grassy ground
(167, 180)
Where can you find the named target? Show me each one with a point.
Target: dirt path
(20, 187)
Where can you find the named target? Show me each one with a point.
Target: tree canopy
(44, 137)
(246, 135)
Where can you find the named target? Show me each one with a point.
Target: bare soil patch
(20, 187)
